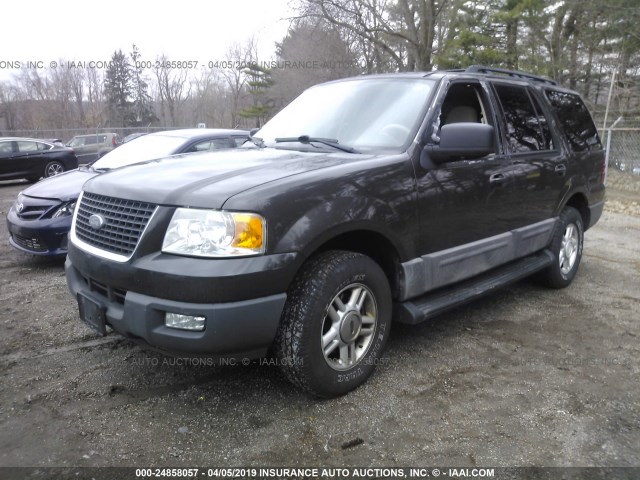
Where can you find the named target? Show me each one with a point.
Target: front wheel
(566, 246)
(53, 168)
(335, 323)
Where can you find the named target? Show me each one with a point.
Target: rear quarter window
(575, 120)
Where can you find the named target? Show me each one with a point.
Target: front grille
(124, 222)
(33, 213)
(29, 243)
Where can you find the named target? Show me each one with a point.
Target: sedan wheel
(52, 169)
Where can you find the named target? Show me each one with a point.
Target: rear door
(8, 165)
(540, 164)
(27, 158)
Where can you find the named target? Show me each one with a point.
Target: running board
(433, 303)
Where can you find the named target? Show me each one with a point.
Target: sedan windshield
(138, 150)
(367, 115)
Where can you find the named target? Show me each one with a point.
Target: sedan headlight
(213, 233)
(65, 210)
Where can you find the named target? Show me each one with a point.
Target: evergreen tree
(118, 86)
(259, 82)
(142, 108)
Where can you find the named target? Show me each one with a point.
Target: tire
(566, 246)
(347, 284)
(53, 168)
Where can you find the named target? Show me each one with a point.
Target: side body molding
(445, 267)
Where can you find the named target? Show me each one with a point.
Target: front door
(467, 199)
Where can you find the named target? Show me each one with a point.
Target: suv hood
(66, 186)
(208, 179)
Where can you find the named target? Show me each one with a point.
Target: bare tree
(236, 60)
(401, 30)
(173, 89)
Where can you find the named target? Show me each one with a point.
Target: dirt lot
(528, 376)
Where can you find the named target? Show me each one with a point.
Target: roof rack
(511, 73)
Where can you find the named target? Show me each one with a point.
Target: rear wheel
(566, 247)
(53, 168)
(335, 323)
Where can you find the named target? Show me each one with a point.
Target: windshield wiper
(306, 139)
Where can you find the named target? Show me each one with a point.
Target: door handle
(561, 169)
(497, 178)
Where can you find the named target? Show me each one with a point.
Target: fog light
(184, 322)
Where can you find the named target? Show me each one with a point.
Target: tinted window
(575, 120)
(544, 124)
(90, 140)
(523, 126)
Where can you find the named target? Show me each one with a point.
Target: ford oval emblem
(96, 221)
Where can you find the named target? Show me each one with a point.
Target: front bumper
(234, 327)
(48, 237)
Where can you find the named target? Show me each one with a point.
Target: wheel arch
(368, 242)
(578, 200)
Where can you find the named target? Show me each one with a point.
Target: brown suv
(89, 148)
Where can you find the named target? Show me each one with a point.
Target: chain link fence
(623, 155)
(66, 134)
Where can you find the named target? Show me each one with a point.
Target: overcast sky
(200, 30)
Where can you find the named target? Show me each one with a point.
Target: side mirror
(253, 131)
(473, 140)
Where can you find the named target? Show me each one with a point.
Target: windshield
(366, 114)
(138, 150)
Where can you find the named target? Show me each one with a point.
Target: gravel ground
(527, 376)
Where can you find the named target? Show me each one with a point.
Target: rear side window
(526, 129)
(27, 147)
(575, 120)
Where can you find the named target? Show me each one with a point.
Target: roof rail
(511, 73)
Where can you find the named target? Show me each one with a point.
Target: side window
(239, 141)
(544, 124)
(575, 119)
(43, 147)
(200, 147)
(464, 102)
(101, 139)
(524, 128)
(6, 147)
(26, 147)
(92, 140)
(220, 143)
(76, 142)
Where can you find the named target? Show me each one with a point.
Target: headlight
(18, 205)
(213, 233)
(65, 210)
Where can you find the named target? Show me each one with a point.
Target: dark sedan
(40, 219)
(32, 158)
